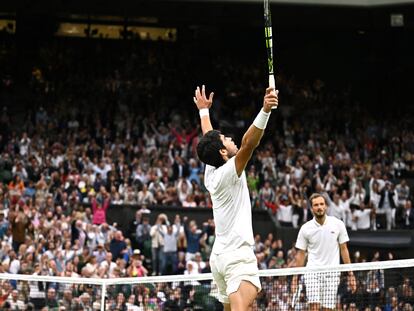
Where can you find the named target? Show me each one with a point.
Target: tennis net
(386, 285)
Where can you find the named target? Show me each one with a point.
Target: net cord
(380, 265)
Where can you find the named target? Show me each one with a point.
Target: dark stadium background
(346, 46)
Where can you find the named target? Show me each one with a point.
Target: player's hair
(208, 149)
(317, 195)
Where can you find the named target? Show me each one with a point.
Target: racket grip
(272, 84)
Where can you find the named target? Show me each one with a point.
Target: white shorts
(322, 288)
(229, 269)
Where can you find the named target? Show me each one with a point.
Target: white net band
(377, 285)
(390, 264)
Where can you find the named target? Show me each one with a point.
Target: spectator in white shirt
(358, 194)
(184, 188)
(68, 252)
(374, 199)
(362, 217)
(334, 208)
(387, 203)
(170, 248)
(191, 268)
(297, 172)
(344, 202)
(14, 263)
(19, 170)
(103, 169)
(108, 264)
(199, 263)
(100, 253)
(189, 201)
(403, 192)
(145, 197)
(405, 216)
(266, 196)
(24, 145)
(157, 243)
(398, 167)
(376, 177)
(15, 302)
(285, 213)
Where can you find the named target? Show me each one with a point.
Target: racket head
(268, 38)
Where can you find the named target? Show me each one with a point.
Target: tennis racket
(269, 43)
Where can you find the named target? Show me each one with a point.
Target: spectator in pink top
(99, 208)
(184, 135)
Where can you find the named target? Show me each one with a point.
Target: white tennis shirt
(231, 207)
(322, 241)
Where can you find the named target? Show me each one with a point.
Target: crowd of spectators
(111, 130)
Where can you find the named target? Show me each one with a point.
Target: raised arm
(106, 202)
(154, 129)
(192, 135)
(253, 135)
(94, 204)
(203, 104)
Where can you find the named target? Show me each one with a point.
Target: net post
(103, 294)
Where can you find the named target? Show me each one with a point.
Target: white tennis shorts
(229, 269)
(322, 288)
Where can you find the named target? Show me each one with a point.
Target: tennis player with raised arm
(233, 262)
(323, 238)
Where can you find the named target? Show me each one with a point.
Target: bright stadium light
(397, 20)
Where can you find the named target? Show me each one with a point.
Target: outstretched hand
(200, 98)
(271, 99)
